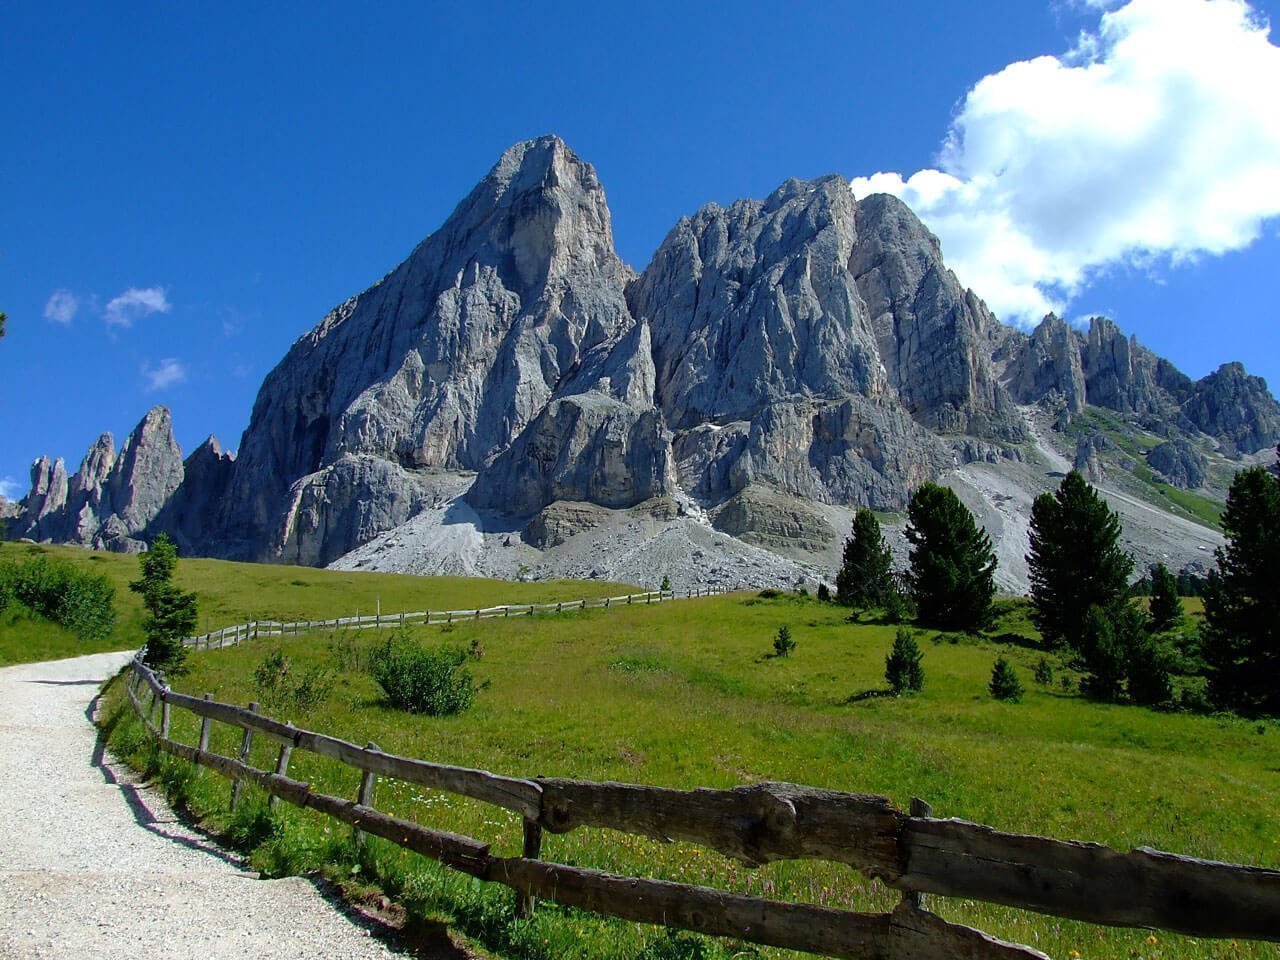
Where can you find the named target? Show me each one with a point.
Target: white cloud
(134, 304)
(166, 373)
(1155, 140)
(10, 489)
(61, 307)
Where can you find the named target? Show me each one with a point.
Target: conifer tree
(1004, 684)
(171, 613)
(952, 574)
(865, 577)
(1076, 561)
(1242, 601)
(903, 670)
(1166, 605)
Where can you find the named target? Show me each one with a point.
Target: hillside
(686, 695)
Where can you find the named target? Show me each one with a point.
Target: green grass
(239, 592)
(687, 695)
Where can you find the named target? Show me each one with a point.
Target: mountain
(514, 392)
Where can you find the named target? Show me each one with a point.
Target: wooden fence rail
(240, 632)
(757, 824)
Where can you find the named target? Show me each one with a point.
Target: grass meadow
(687, 694)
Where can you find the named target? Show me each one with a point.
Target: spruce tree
(171, 613)
(952, 574)
(1242, 602)
(902, 667)
(1004, 684)
(1166, 605)
(1104, 656)
(1075, 561)
(865, 578)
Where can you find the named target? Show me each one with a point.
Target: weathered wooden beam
(461, 853)
(368, 781)
(1091, 882)
(530, 850)
(756, 824)
(835, 933)
(246, 744)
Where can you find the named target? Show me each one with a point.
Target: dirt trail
(95, 865)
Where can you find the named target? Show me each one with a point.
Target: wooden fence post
(205, 724)
(164, 716)
(914, 898)
(365, 797)
(246, 742)
(282, 768)
(532, 851)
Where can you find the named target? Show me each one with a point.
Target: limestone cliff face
(1048, 362)
(113, 501)
(810, 347)
(1235, 407)
(445, 361)
(935, 338)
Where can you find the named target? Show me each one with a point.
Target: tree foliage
(171, 612)
(82, 602)
(952, 574)
(903, 670)
(1004, 684)
(1242, 602)
(783, 642)
(1075, 561)
(1166, 605)
(865, 578)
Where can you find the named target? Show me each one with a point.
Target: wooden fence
(229, 636)
(914, 853)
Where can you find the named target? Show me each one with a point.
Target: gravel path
(96, 866)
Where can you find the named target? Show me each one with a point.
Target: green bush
(279, 685)
(54, 589)
(783, 642)
(1044, 672)
(902, 668)
(430, 680)
(1004, 684)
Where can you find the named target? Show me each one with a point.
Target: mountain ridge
(811, 344)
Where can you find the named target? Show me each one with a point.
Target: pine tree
(171, 613)
(1242, 602)
(1104, 656)
(902, 667)
(952, 574)
(1075, 561)
(865, 577)
(1166, 605)
(783, 643)
(1004, 684)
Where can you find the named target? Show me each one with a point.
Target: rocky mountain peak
(1235, 407)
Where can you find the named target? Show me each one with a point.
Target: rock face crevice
(807, 348)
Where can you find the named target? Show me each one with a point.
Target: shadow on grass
(873, 694)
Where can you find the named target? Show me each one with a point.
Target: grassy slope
(238, 592)
(684, 695)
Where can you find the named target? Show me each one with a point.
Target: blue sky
(185, 189)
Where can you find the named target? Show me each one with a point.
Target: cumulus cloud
(1154, 140)
(61, 307)
(134, 304)
(167, 373)
(10, 489)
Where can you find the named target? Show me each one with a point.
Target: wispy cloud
(1153, 140)
(134, 304)
(10, 489)
(167, 373)
(61, 307)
